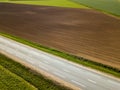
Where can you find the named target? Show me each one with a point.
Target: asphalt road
(76, 75)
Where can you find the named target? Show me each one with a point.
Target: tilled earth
(81, 32)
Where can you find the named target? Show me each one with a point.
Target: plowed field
(81, 32)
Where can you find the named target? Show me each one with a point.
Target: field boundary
(100, 10)
(62, 3)
(79, 60)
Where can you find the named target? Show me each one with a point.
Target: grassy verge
(59, 3)
(10, 81)
(79, 60)
(13, 71)
(106, 6)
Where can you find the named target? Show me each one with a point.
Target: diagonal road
(73, 74)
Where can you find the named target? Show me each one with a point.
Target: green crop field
(3, 0)
(110, 6)
(60, 3)
(14, 76)
(10, 81)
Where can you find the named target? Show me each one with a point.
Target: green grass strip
(10, 81)
(106, 6)
(37, 80)
(80, 60)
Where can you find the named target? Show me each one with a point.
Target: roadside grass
(13, 71)
(80, 60)
(107, 6)
(59, 3)
(10, 81)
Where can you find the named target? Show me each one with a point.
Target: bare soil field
(82, 32)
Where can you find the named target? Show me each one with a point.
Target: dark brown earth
(81, 32)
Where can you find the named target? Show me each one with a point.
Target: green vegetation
(10, 81)
(14, 76)
(60, 3)
(3, 0)
(109, 6)
(79, 60)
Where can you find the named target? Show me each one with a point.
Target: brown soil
(81, 32)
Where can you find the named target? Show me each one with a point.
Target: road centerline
(78, 83)
(92, 81)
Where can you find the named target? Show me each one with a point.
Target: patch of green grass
(109, 6)
(80, 60)
(8, 79)
(60, 3)
(3, 0)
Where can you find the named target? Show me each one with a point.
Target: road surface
(76, 75)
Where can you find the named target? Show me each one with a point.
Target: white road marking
(76, 69)
(58, 74)
(91, 81)
(40, 63)
(110, 81)
(43, 67)
(31, 62)
(78, 83)
(66, 70)
(46, 61)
